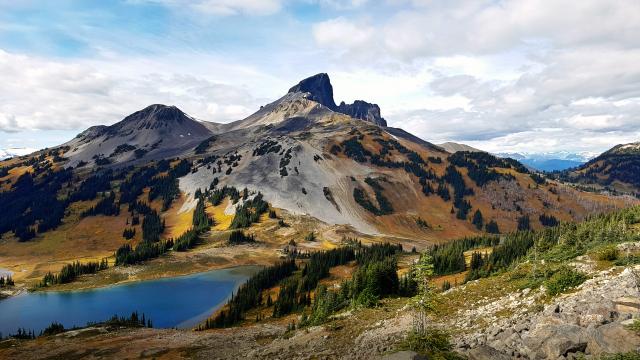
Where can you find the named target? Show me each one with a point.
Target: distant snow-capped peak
(11, 152)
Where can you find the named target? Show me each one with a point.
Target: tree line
(70, 272)
(250, 295)
(6, 281)
(558, 243)
(449, 258)
(376, 277)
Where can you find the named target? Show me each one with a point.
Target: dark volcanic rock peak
(320, 90)
(364, 111)
(319, 86)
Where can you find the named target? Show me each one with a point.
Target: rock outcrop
(364, 111)
(319, 89)
(591, 322)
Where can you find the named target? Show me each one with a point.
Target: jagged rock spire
(320, 90)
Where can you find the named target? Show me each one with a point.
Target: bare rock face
(486, 353)
(612, 338)
(320, 90)
(364, 111)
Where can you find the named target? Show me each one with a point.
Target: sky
(528, 76)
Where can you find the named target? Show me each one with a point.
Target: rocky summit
(320, 90)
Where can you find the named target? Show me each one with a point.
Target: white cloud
(224, 7)
(343, 4)
(591, 95)
(341, 33)
(45, 94)
(443, 28)
(234, 7)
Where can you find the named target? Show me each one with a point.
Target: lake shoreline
(69, 287)
(203, 259)
(205, 291)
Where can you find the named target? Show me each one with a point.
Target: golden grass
(88, 239)
(177, 223)
(483, 251)
(13, 175)
(222, 220)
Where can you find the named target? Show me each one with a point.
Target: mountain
(155, 132)
(320, 90)
(551, 161)
(453, 147)
(550, 164)
(340, 164)
(540, 162)
(299, 170)
(617, 168)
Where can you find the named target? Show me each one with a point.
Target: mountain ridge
(616, 169)
(309, 159)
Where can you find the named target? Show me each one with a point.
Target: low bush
(564, 279)
(434, 344)
(609, 253)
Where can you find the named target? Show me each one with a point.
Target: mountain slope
(455, 147)
(617, 168)
(155, 132)
(309, 159)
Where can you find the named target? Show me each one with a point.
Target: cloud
(342, 4)
(225, 7)
(341, 33)
(8, 123)
(45, 94)
(443, 28)
(583, 100)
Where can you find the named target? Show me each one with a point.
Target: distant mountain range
(11, 152)
(617, 168)
(551, 161)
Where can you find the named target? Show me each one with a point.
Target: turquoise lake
(181, 302)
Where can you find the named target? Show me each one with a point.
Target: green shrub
(635, 327)
(633, 355)
(564, 279)
(609, 253)
(434, 344)
(367, 298)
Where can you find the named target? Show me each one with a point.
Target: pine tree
(477, 220)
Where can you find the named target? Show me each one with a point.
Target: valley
(348, 224)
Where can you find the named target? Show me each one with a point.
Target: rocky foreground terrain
(594, 319)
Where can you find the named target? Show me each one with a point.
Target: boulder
(612, 338)
(484, 352)
(628, 305)
(552, 341)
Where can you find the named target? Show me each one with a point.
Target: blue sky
(505, 76)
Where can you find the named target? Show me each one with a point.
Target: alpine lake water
(182, 302)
